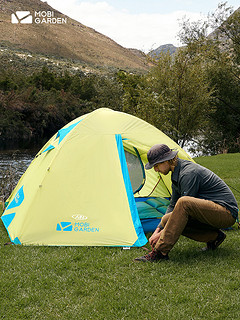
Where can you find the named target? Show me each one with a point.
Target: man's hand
(155, 237)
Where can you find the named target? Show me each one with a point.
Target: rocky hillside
(164, 48)
(52, 33)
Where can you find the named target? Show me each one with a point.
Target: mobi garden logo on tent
(37, 17)
(77, 226)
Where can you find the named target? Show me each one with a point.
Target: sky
(139, 24)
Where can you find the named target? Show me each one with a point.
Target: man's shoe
(153, 256)
(212, 245)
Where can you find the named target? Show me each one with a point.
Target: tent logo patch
(84, 227)
(79, 217)
(77, 227)
(64, 226)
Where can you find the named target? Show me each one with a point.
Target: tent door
(135, 169)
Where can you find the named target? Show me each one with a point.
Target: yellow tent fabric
(77, 189)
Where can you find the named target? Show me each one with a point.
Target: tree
(174, 96)
(220, 55)
(109, 92)
(181, 82)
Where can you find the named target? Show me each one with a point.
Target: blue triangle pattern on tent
(16, 241)
(59, 227)
(18, 199)
(7, 219)
(50, 147)
(65, 131)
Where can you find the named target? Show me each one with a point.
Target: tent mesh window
(136, 170)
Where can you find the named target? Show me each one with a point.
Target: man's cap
(159, 153)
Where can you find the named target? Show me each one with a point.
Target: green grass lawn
(105, 283)
(226, 166)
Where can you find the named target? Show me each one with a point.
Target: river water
(15, 162)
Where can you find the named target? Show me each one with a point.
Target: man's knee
(185, 202)
(164, 219)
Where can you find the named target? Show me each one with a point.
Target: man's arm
(174, 198)
(154, 237)
(189, 184)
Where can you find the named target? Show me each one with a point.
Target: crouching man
(201, 204)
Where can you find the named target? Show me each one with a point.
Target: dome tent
(77, 190)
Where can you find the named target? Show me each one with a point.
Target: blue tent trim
(142, 240)
(7, 219)
(18, 199)
(62, 133)
(16, 241)
(50, 147)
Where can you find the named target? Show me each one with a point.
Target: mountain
(164, 48)
(138, 52)
(52, 33)
(229, 29)
(221, 33)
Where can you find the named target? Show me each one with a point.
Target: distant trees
(33, 107)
